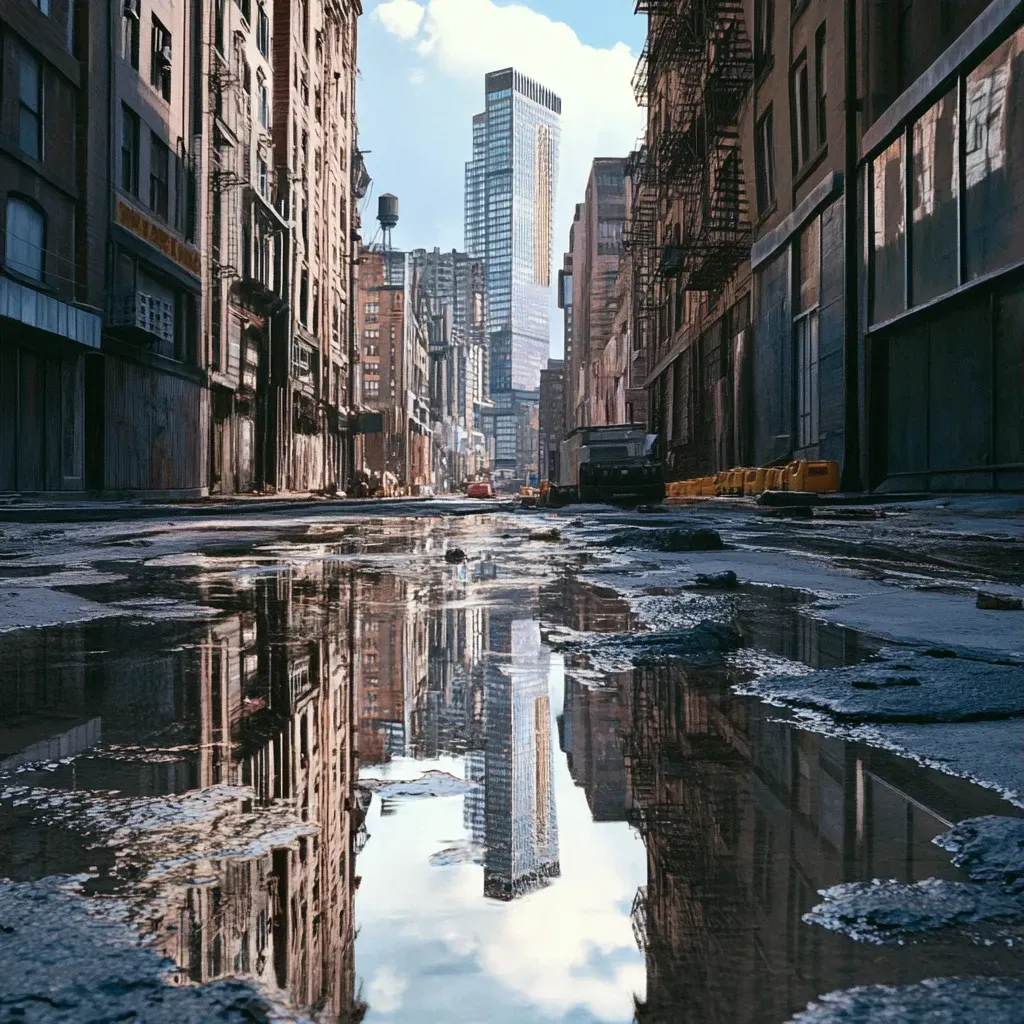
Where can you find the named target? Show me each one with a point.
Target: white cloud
(386, 990)
(417, 76)
(464, 39)
(400, 17)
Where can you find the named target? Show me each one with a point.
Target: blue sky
(422, 64)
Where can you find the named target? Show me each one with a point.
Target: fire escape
(693, 75)
(225, 182)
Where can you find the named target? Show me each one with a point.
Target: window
(160, 60)
(371, 350)
(218, 25)
(801, 114)
(43, 5)
(130, 33)
(764, 163)
(806, 334)
(764, 14)
(262, 30)
(245, 6)
(304, 299)
(821, 84)
(246, 78)
(262, 176)
(30, 106)
(129, 150)
(26, 228)
(889, 237)
(729, 186)
(263, 98)
(371, 388)
(302, 361)
(159, 175)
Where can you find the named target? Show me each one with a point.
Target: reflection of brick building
(595, 722)
(276, 704)
(744, 820)
(390, 661)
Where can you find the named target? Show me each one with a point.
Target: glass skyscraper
(510, 192)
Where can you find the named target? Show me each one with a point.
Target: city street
(451, 760)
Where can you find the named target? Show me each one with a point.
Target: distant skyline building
(509, 202)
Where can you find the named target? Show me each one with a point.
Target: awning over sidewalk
(34, 308)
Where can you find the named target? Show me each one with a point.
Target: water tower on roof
(387, 216)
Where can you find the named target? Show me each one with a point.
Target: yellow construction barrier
(735, 481)
(775, 479)
(819, 477)
(706, 487)
(754, 481)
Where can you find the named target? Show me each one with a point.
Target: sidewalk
(79, 510)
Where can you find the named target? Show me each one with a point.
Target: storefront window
(935, 182)
(994, 160)
(889, 242)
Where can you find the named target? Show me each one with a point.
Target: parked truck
(609, 464)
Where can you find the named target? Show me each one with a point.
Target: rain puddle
(374, 792)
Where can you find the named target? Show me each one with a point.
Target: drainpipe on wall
(851, 478)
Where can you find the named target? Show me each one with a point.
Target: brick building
(551, 420)
(784, 313)
(245, 226)
(394, 366)
(596, 247)
(690, 227)
(53, 211)
(941, 161)
(314, 136)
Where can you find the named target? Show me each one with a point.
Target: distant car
(480, 489)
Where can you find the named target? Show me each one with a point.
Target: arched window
(26, 227)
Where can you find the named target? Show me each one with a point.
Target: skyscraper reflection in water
(521, 828)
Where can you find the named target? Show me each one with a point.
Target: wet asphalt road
(297, 766)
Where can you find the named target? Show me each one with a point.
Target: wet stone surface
(432, 770)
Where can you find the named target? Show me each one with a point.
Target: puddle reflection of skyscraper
(521, 828)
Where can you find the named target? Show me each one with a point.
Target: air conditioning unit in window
(131, 9)
(143, 312)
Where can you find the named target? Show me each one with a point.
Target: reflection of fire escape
(694, 74)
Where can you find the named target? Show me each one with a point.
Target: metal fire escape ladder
(698, 66)
(225, 182)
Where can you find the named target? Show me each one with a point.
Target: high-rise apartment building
(512, 178)
(476, 193)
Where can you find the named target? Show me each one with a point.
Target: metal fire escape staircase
(225, 182)
(698, 58)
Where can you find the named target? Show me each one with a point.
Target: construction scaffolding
(693, 75)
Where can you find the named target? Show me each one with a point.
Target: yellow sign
(160, 238)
